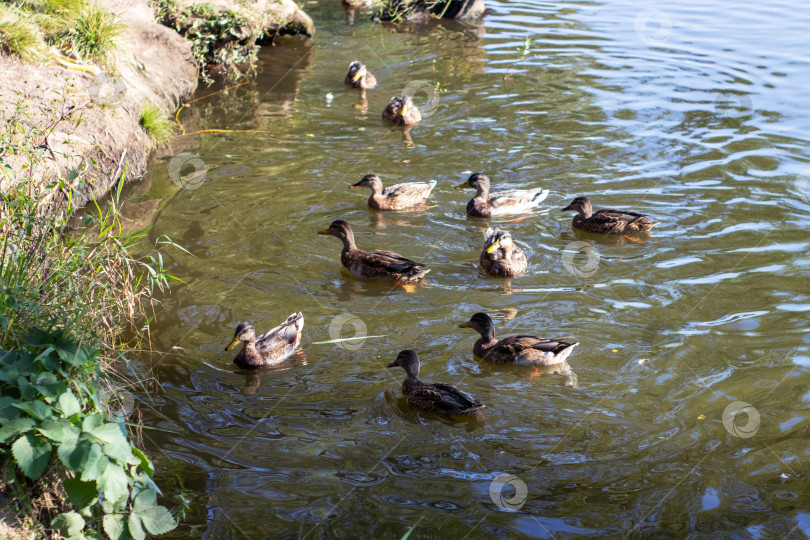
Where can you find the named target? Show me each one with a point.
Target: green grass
(155, 122)
(97, 32)
(20, 37)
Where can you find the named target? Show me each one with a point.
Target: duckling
(434, 397)
(401, 111)
(500, 257)
(395, 197)
(270, 348)
(486, 204)
(375, 265)
(521, 350)
(359, 77)
(607, 220)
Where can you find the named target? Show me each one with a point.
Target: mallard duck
(434, 397)
(359, 77)
(401, 111)
(519, 350)
(375, 265)
(607, 220)
(270, 348)
(486, 204)
(500, 257)
(394, 197)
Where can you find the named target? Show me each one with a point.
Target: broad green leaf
(92, 421)
(27, 391)
(80, 494)
(12, 429)
(114, 526)
(72, 352)
(32, 455)
(37, 409)
(116, 444)
(147, 498)
(113, 483)
(48, 385)
(69, 404)
(157, 520)
(95, 465)
(146, 463)
(68, 523)
(57, 429)
(7, 412)
(135, 527)
(74, 452)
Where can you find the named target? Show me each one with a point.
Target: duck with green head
(500, 256)
(607, 220)
(272, 347)
(435, 397)
(521, 350)
(486, 204)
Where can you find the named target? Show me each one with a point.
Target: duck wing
(390, 261)
(409, 190)
(516, 345)
(452, 398)
(517, 198)
(287, 333)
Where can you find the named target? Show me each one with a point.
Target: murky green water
(694, 114)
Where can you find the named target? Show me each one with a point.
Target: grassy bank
(70, 290)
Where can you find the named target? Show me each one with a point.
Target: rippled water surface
(695, 113)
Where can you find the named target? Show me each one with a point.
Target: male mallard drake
(519, 350)
(394, 197)
(607, 220)
(434, 397)
(401, 111)
(486, 204)
(500, 257)
(378, 264)
(359, 77)
(270, 348)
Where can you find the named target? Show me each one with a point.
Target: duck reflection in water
(253, 377)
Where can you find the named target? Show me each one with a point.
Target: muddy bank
(89, 116)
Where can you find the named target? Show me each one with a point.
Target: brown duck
(394, 197)
(401, 111)
(272, 347)
(373, 265)
(522, 350)
(486, 204)
(607, 220)
(500, 256)
(435, 397)
(359, 77)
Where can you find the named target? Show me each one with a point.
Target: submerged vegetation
(70, 291)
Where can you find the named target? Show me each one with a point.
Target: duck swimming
(486, 204)
(401, 111)
(359, 77)
(394, 197)
(373, 265)
(272, 347)
(500, 256)
(435, 397)
(521, 350)
(607, 220)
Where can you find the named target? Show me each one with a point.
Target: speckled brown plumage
(396, 197)
(376, 264)
(401, 111)
(435, 397)
(500, 256)
(359, 77)
(521, 350)
(607, 220)
(270, 348)
(486, 204)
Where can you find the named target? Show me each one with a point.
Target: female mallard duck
(395, 197)
(359, 77)
(607, 220)
(500, 257)
(401, 111)
(270, 348)
(434, 397)
(519, 350)
(378, 264)
(486, 204)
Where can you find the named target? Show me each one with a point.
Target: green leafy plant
(155, 122)
(20, 37)
(96, 33)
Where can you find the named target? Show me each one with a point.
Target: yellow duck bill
(232, 344)
(493, 247)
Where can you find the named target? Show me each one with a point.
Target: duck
(500, 256)
(401, 111)
(374, 265)
(521, 350)
(607, 220)
(359, 77)
(394, 197)
(272, 347)
(434, 397)
(486, 204)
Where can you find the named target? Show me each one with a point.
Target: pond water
(694, 113)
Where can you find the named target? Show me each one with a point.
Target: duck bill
(567, 208)
(325, 232)
(355, 186)
(465, 325)
(392, 364)
(463, 185)
(357, 76)
(232, 344)
(493, 247)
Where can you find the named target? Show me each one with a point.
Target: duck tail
(540, 196)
